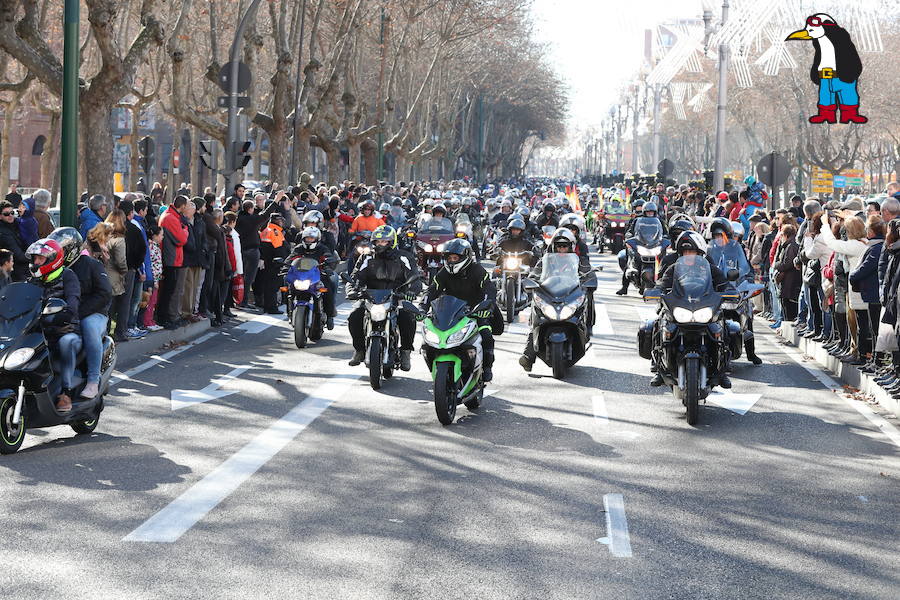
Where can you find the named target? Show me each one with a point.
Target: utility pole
(721, 114)
(619, 120)
(233, 125)
(297, 85)
(68, 196)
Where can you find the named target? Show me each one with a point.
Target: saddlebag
(645, 339)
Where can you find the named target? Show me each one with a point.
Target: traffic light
(147, 148)
(708, 178)
(241, 155)
(208, 154)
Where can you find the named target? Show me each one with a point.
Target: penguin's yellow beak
(802, 34)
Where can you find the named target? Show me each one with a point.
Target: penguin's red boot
(849, 114)
(827, 114)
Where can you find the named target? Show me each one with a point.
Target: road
(295, 479)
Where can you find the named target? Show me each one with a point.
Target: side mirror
(54, 306)
(483, 305)
(346, 277)
(652, 295)
(529, 285)
(733, 274)
(409, 306)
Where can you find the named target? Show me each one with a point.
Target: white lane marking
(260, 323)
(184, 398)
(617, 537)
(736, 403)
(861, 407)
(600, 415)
(602, 324)
(184, 512)
(156, 359)
(645, 313)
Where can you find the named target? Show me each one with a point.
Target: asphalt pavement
(241, 467)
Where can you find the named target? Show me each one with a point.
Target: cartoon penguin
(836, 68)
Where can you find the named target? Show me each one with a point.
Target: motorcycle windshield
(693, 279)
(559, 274)
(397, 214)
(305, 264)
(447, 311)
(648, 232)
(380, 296)
(612, 209)
(19, 305)
(437, 227)
(730, 256)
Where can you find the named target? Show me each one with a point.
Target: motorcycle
(452, 348)
(304, 299)
(644, 253)
(382, 330)
(559, 314)
(547, 232)
(510, 293)
(360, 244)
(28, 384)
(614, 227)
(406, 238)
(692, 346)
(738, 313)
(431, 240)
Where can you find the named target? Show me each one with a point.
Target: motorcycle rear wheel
(375, 363)
(444, 394)
(84, 427)
(11, 437)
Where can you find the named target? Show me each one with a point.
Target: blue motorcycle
(304, 299)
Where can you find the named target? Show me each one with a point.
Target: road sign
(773, 169)
(244, 78)
(854, 177)
(242, 102)
(839, 181)
(665, 168)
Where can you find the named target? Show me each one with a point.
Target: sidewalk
(846, 373)
(133, 351)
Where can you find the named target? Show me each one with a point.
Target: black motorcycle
(645, 252)
(559, 316)
(689, 340)
(28, 385)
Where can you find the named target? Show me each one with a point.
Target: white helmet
(310, 232)
(573, 219)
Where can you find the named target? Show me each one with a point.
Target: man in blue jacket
(97, 209)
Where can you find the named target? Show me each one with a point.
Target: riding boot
(750, 350)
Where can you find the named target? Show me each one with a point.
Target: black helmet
(70, 240)
(516, 223)
(690, 240)
(721, 225)
(679, 226)
(462, 248)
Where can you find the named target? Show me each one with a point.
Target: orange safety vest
(272, 234)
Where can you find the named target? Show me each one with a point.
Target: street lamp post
(69, 151)
(297, 85)
(718, 168)
(657, 100)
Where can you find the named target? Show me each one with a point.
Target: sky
(597, 45)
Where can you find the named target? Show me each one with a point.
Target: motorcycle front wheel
(558, 360)
(375, 362)
(298, 320)
(692, 389)
(11, 436)
(511, 298)
(84, 427)
(444, 393)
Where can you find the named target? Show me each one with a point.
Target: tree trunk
(257, 159)
(278, 155)
(402, 167)
(195, 165)
(49, 161)
(134, 153)
(354, 170)
(334, 164)
(96, 134)
(370, 154)
(6, 151)
(303, 149)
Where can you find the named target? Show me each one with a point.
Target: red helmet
(53, 255)
(722, 196)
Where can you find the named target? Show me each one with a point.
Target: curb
(846, 373)
(132, 351)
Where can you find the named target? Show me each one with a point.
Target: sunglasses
(8, 214)
(817, 22)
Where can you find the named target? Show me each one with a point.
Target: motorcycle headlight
(569, 309)
(440, 248)
(649, 251)
(683, 315)
(462, 335)
(704, 315)
(729, 306)
(302, 284)
(511, 263)
(378, 312)
(18, 358)
(430, 336)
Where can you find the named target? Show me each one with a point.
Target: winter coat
(148, 267)
(65, 287)
(784, 263)
(248, 226)
(135, 247)
(116, 265)
(890, 278)
(236, 238)
(11, 239)
(850, 253)
(864, 278)
(220, 267)
(175, 236)
(96, 291)
(88, 220)
(28, 225)
(45, 223)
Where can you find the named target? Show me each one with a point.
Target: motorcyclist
(386, 268)
(563, 242)
(315, 219)
(385, 211)
(640, 211)
(651, 210)
(576, 225)
(367, 219)
(46, 261)
(678, 224)
(515, 241)
(93, 308)
(462, 277)
(691, 243)
(310, 244)
(500, 219)
(547, 218)
(438, 218)
(637, 210)
(532, 231)
(726, 253)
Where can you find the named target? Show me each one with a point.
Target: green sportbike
(452, 349)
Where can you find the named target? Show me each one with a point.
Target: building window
(38, 148)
